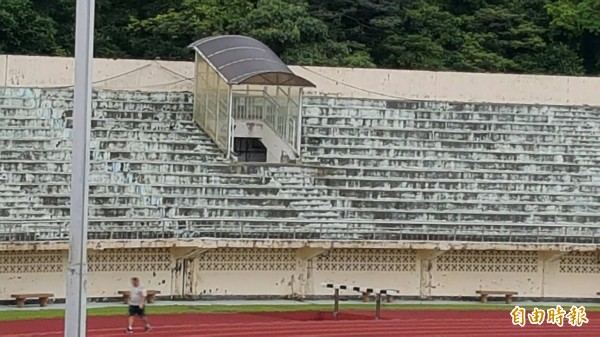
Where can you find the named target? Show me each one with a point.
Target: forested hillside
(520, 36)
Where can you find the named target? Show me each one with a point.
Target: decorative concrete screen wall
(263, 271)
(577, 274)
(298, 272)
(391, 268)
(116, 266)
(459, 272)
(32, 272)
(109, 271)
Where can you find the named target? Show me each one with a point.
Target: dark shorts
(135, 310)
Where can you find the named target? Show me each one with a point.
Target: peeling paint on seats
(385, 170)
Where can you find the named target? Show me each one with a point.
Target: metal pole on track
(76, 299)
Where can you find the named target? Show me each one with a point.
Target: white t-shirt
(137, 294)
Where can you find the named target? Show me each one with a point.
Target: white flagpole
(76, 299)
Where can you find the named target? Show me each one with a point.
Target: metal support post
(75, 316)
(378, 306)
(336, 303)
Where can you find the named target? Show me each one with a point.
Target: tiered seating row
(458, 163)
(393, 170)
(140, 228)
(148, 160)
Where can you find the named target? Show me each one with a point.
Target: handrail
(264, 94)
(305, 229)
(269, 113)
(400, 223)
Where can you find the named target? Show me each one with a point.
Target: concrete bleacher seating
(151, 167)
(373, 170)
(458, 163)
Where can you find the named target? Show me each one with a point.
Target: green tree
(523, 36)
(112, 17)
(420, 36)
(361, 24)
(575, 16)
(285, 26)
(512, 36)
(23, 30)
(578, 22)
(467, 35)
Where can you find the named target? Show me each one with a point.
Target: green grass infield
(20, 314)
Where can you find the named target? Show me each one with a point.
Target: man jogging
(137, 301)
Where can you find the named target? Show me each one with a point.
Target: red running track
(355, 323)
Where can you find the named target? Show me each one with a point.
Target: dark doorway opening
(249, 150)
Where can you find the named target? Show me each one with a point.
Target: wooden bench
(42, 297)
(388, 298)
(150, 295)
(485, 293)
(365, 291)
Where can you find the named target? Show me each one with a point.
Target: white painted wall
(406, 282)
(146, 75)
(466, 283)
(240, 283)
(22, 273)
(276, 271)
(572, 275)
(107, 284)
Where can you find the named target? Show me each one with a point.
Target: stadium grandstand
(237, 166)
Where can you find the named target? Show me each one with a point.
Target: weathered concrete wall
(35, 71)
(263, 271)
(25, 71)
(298, 272)
(394, 269)
(459, 272)
(571, 274)
(109, 271)
(33, 272)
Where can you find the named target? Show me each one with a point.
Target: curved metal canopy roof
(244, 60)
